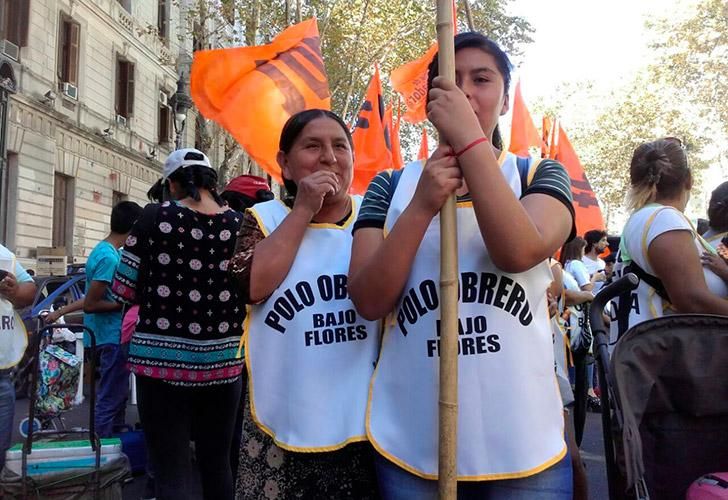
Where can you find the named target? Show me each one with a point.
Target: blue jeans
(7, 412)
(555, 483)
(113, 388)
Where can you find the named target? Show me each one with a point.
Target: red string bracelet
(471, 146)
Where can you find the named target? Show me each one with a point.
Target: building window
(163, 19)
(69, 46)
(9, 200)
(124, 88)
(165, 122)
(14, 21)
(126, 4)
(63, 187)
(117, 197)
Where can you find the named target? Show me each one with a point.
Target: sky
(588, 40)
(580, 40)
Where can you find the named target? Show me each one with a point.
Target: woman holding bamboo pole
(510, 220)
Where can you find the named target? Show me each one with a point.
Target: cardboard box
(51, 261)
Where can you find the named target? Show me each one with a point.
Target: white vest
(510, 421)
(310, 356)
(13, 337)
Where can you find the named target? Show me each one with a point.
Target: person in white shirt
(662, 242)
(596, 243)
(17, 290)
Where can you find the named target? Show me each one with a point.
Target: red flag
(524, 134)
(372, 149)
(410, 80)
(252, 91)
(424, 153)
(588, 213)
(393, 129)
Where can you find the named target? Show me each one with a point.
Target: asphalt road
(592, 448)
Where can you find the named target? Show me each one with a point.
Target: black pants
(171, 416)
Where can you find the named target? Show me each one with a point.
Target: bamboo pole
(448, 404)
(469, 15)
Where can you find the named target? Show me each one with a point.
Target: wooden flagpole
(448, 404)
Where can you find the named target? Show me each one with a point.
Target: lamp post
(181, 102)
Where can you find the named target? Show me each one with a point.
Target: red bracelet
(470, 146)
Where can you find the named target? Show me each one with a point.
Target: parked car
(52, 291)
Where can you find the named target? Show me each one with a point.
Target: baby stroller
(664, 400)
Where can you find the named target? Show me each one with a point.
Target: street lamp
(181, 102)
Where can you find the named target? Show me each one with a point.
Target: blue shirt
(101, 266)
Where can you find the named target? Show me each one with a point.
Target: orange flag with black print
(524, 134)
(393, 128)
(252, 91)
(372, 147)
(586, 206)
(410, 81)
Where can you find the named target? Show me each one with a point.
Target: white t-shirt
(579, 271)
(593, 265)
(640, 231)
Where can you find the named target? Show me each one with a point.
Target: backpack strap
(526, 170)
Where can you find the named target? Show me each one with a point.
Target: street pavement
(592, 450)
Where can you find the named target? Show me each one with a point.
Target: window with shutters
(14, 15)
(165, 124)
(70, 39)
(163, 19)
(124, 88)
(63, 187)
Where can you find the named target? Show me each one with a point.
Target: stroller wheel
(23, 427)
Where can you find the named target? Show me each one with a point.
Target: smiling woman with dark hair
(309, 355)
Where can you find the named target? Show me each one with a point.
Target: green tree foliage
(355, 34)
(693, 58)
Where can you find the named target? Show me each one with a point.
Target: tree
(355, 34)
(693, 59)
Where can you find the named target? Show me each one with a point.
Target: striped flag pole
(448, 404)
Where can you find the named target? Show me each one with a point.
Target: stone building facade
(85, 114)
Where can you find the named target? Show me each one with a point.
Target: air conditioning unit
(121, 120)
(9, 49)
(69, 90)
(163, 98)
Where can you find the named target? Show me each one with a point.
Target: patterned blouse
(174, 265)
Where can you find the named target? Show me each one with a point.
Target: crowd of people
(295, 341)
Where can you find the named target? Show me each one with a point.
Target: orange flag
(393, 128)
(524, 134)
(424, 153)
(588, 213)
(410, 80)
(252, 91)
(372, 149)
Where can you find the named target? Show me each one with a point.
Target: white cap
(177, 160)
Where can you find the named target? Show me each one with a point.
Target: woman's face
(477, 75)
(321, 145)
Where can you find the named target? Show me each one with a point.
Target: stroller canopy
(670, 379)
